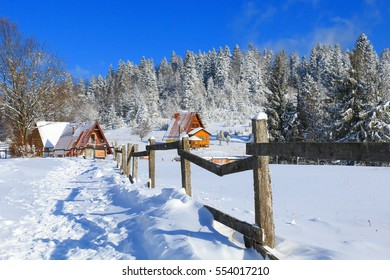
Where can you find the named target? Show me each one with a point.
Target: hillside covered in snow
(72, 208)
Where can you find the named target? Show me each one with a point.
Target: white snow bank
(84, 209)
(81, 209)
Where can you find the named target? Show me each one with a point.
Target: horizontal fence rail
(370, 152)
(221, 169)
(164, 146)
(240, 226)
(140, 154)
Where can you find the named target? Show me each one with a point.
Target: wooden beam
(238, 166)
(140, 154)
(244, 228)
(221, 169)
(210, 166)
(134, 172)
(124, 160)
(376, 152)
(185, 167)
(264, 216)
(250, 243)
(163, 146)
(128, 159)
(152, 165)
(250, 232)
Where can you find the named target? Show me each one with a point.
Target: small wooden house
(83, 139)
(46, 136)
(191, 124)
(199, 137)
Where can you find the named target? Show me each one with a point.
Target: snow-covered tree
(384, 75)
(309, 113)
(193, 87)
(278, 107)
(30, 79)
(236, 66)
(223, 66)
(148, 86)
(362, 93)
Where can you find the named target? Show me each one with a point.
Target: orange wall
(203, 135)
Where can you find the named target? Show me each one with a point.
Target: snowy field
(85, 209)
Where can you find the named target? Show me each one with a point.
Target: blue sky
(90, 35)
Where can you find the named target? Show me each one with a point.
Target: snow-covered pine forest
(332, 95)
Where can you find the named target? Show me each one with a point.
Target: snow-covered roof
(196, 130)
(71, 133)
(181, 122)
(50, 132)
(77, 135)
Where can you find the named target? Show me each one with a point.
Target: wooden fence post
(185, 167)
(152, 165)
(128, 159)
(114, 145)
(117, 156)
(135, 164)
(262, 185)
(124, 161)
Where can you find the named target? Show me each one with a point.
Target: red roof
(77, 135)
(181, 122)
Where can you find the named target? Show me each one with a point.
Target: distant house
(191, 124)
(46, 136)
(70, 139)
(82, 139)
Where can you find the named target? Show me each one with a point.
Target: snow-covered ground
(73, 208)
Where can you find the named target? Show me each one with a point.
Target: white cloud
(248, 22)
(340, 31)
(79, 72)
(325, 26)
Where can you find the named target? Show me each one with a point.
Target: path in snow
(83, 209)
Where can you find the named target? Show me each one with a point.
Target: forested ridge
(331, 95)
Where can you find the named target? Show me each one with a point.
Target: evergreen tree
(223, 67)
(278, 107)
(309, 114)
(384, 75)
(194, 91)
(148, 85)
(337, 89)
(236, 66)
(362, 93)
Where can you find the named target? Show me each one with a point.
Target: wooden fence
(262, 234)
(258, 236)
